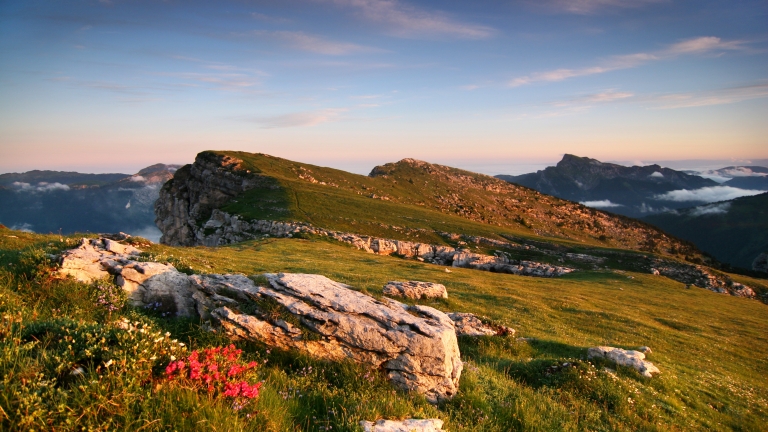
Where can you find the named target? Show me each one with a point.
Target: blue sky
(492, 86)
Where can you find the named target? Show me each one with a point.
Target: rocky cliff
(195, 191)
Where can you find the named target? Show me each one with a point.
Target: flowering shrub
(220, 372)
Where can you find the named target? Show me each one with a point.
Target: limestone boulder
(410, 425)
(467, 324)
(415, 345)
(415, 290)
(629, 358)
(94, 258)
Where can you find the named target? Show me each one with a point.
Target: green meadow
(712, 350)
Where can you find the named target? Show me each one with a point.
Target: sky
(491, 86)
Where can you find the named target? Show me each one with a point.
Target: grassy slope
(432, 197)
(711, 348)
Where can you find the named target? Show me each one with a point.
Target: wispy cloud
(312, 43)
(220, 76)
(707, 194)
(410, 22)
(712, 97)
(299, 119)
(600, 204)
(595, 98)
(711, 209)
(269, 18)
(701, 45)
(589, 7)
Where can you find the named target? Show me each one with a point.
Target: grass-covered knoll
(711, 349)
(410, 200)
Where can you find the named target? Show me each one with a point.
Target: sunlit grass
(711, 349)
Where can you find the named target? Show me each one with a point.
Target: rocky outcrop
(628, 358)
(702, 277)
(468, 324)
(415, 345)
(502, 264)
(196, 190)
(410, 425)
(761, 263)
(415, 290)
(223, 228)
(102, 258)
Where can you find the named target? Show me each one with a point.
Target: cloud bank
(707, 194)
(41, 187)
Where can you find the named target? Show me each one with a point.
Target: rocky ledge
(223, 228)
(701, 277)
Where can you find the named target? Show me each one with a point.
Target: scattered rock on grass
(415, 290)
(629, 358)
(468, 324)
(410, 425)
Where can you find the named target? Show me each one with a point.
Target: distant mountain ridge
(49, 201)
(631, 191)
(69, 178)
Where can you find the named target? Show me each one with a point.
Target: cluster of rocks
(223, 228)
(415, 345)
(96, 259)
(701, 277)
(502, 264)
(628, 358)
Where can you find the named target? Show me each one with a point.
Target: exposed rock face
(761, 263)
(702, 277)
(195, 191)
(415, 290)
(468, 324)
(415, 345)
(410, 425)
(633, 359)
